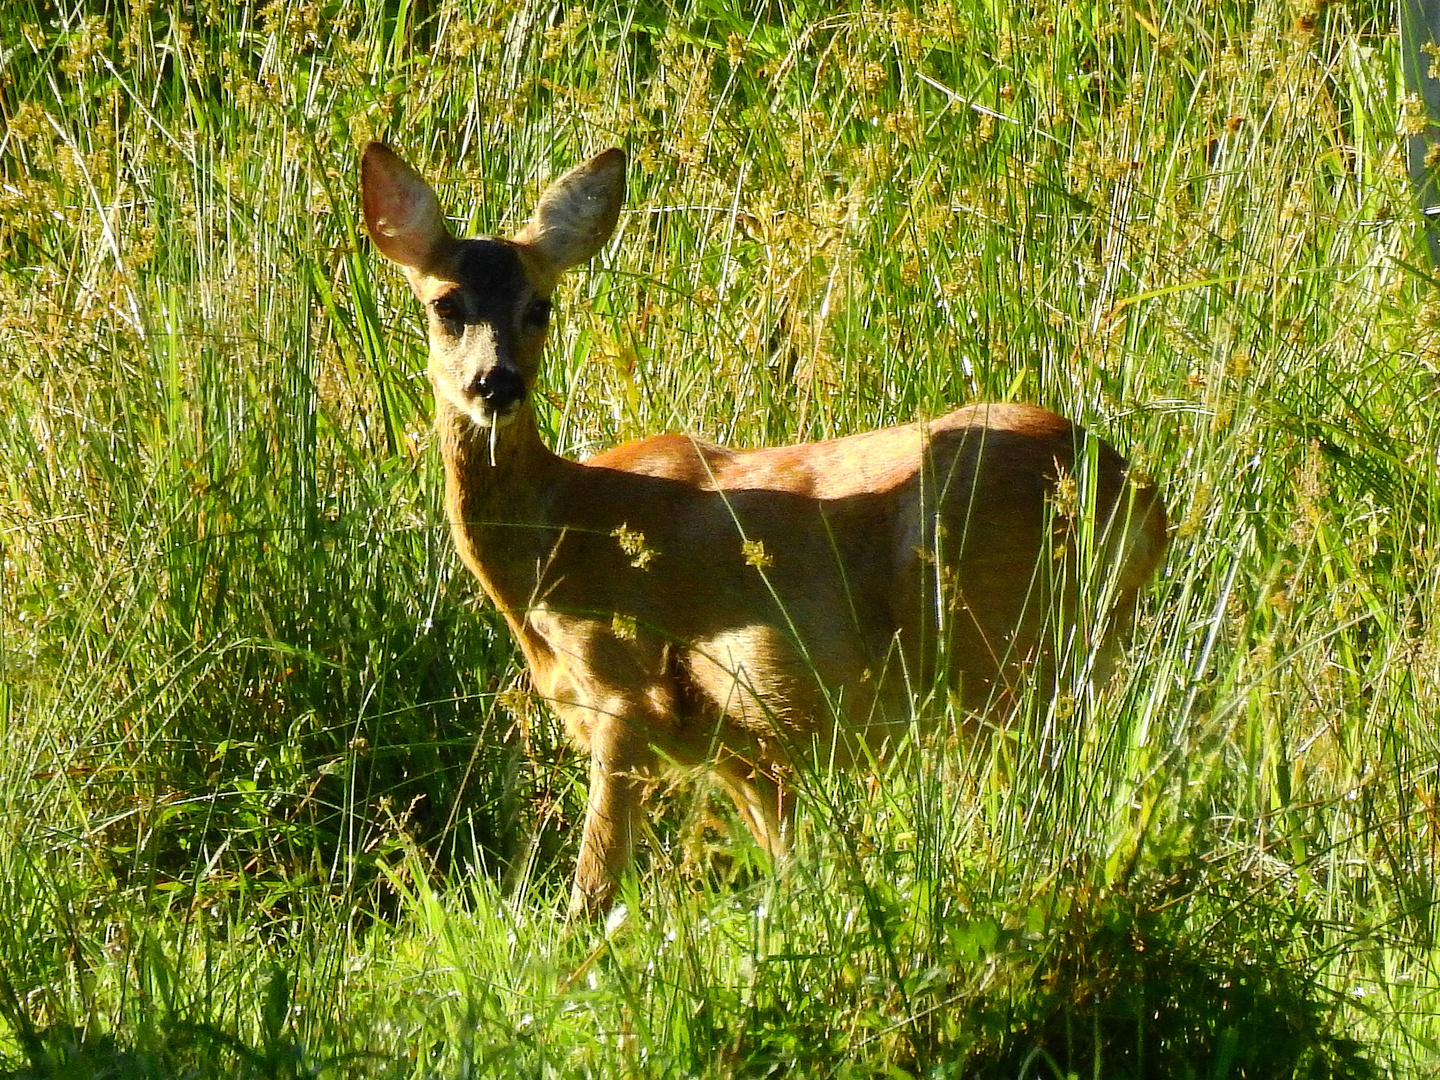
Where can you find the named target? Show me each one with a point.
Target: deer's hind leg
(765, 804)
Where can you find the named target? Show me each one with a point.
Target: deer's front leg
(621, 762)
(612, 692)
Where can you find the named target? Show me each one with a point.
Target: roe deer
(747, 610)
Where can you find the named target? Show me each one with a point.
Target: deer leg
(764, 805)
(621, 762)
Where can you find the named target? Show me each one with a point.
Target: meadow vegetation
(274, 799)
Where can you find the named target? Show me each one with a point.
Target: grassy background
(273, 798)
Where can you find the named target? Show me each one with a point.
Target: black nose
(500, 388)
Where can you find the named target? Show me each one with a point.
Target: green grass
(273, 799)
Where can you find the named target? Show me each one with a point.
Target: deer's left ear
(402, 214)
(577, 213)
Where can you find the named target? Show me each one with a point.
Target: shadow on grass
(1123, 987)
(1131, 999)
(172, 1049)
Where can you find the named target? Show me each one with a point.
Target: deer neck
(496, 497)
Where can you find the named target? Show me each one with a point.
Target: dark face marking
(489, 267)
(488, 327)
(490, 285)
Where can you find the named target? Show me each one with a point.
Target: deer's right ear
(402, 214)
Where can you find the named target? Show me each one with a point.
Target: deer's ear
(577, 213)
(402, 214)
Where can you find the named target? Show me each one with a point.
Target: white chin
(484, 419)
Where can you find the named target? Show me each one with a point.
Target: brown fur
(748, 610)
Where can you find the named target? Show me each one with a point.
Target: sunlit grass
(273, 796)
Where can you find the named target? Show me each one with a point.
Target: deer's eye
(450, 311)
(537, 315)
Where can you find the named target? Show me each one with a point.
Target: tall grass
(273, 798)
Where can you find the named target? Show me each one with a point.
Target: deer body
(747, 610)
